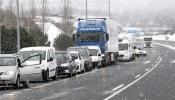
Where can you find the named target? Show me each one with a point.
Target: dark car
(66, 65)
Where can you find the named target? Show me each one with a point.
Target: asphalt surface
(146, 78)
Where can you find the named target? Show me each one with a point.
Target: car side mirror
(135, 47)
(107, 37)
(50, 59)
(74, 58)
(73, 37)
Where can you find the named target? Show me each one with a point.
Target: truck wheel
(17, 84)
(25, 84)
(46, 75)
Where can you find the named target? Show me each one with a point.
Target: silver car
(10, 65)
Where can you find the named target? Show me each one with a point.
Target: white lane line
(167, 46)
(137, 76)
(147, 62)
(41, 86)
(132, 83)
(118, 87)
(9, 94)
(147, 69)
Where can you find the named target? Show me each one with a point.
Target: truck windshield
(148, 39)
(73, 55)
(90, 37)
(26, 54)
(7, 61)
(123, 46)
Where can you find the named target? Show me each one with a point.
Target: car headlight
(65, 65)
(9, 73)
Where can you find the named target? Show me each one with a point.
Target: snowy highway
(146, 78)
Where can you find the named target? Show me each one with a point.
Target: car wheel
(75, 73)
(70, 74)
(26, 84)
(17, 84)
(46, 76)
(56, 75)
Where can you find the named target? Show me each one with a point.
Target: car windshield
(27, 54)
(73, 55)
(61, 57)
(7, 61)
(123, 46)
(81, 51)
(93, 52)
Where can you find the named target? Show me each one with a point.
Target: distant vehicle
(66, 64)
(11, 66)
(85, 55)
(141, 50)
(96, 56)
(79, 62)
(126, 47)
(148, 42)
(102, 32)
(48, 67)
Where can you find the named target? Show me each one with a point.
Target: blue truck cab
(92, 32)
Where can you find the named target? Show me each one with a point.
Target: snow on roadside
(161, 37)
(164, 37)
(167, 46)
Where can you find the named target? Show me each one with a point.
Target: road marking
(132, 83)
(147, 62)
(9, 94)
(41, 86)
(147, 69)
(173, 61)
(137, 76)
(118, 87)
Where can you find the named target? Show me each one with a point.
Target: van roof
(7, 55)
(73, 52)
(93, 47)
(79, 47)
(35, 48)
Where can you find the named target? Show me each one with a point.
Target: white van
(48, 67)
(96, 56)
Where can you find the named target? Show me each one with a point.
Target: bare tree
(44, 12)
(67, 16)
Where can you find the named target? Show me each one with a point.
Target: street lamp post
(18, 28)
(0, 39)
(109, 8)
(86, 10)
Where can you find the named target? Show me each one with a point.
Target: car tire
(25, 84)
(46, 75)
(70, 74)
(17, 84)
(56, 75)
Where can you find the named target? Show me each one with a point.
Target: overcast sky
(116, 5)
